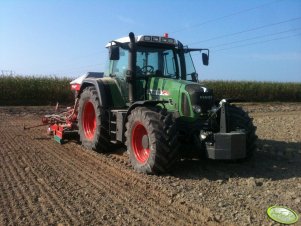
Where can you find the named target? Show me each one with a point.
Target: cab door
(117, 70)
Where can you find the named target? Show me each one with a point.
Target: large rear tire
(239, 120)
(91, 121)
(151, 140)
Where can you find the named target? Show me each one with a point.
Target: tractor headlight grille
(201, 97)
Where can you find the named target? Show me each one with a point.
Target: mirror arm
(194, 49)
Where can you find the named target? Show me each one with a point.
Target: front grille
(200, 96)
(185, 105)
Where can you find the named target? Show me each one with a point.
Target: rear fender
(99, 86)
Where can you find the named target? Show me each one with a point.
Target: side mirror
(205, 58)
(114, 53)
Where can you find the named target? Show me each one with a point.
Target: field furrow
(43, 182)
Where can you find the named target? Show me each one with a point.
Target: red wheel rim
(141, 149)
(89, 120)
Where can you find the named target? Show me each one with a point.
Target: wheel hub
(89, 120)
(145, 141)
(140, 143)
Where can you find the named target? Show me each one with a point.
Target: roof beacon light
(165, 35)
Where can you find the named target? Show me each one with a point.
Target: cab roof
(146, 39)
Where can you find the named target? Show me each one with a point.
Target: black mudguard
(100, 88)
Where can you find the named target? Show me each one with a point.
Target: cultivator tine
(30, 127)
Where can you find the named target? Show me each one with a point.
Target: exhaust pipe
(131, 74)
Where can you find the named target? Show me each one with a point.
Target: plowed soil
(43, 182)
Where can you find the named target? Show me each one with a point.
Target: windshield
(190, 69)
(157, 62)
(153, 61)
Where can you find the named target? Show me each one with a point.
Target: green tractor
(149, 99)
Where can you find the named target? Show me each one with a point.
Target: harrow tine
(30, 127)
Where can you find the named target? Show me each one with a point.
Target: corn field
(47, 90)
(251, 91)
(33, 90)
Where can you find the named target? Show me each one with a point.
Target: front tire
(91, 121)
(151, 140)
(239, 120)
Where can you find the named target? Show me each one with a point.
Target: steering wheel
(148, 69)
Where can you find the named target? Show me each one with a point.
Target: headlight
(155, 39)
(197, 109)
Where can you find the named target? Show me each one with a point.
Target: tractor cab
(149, 59)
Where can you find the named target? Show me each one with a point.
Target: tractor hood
(182, 96)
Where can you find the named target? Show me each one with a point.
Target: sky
(254, 40)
